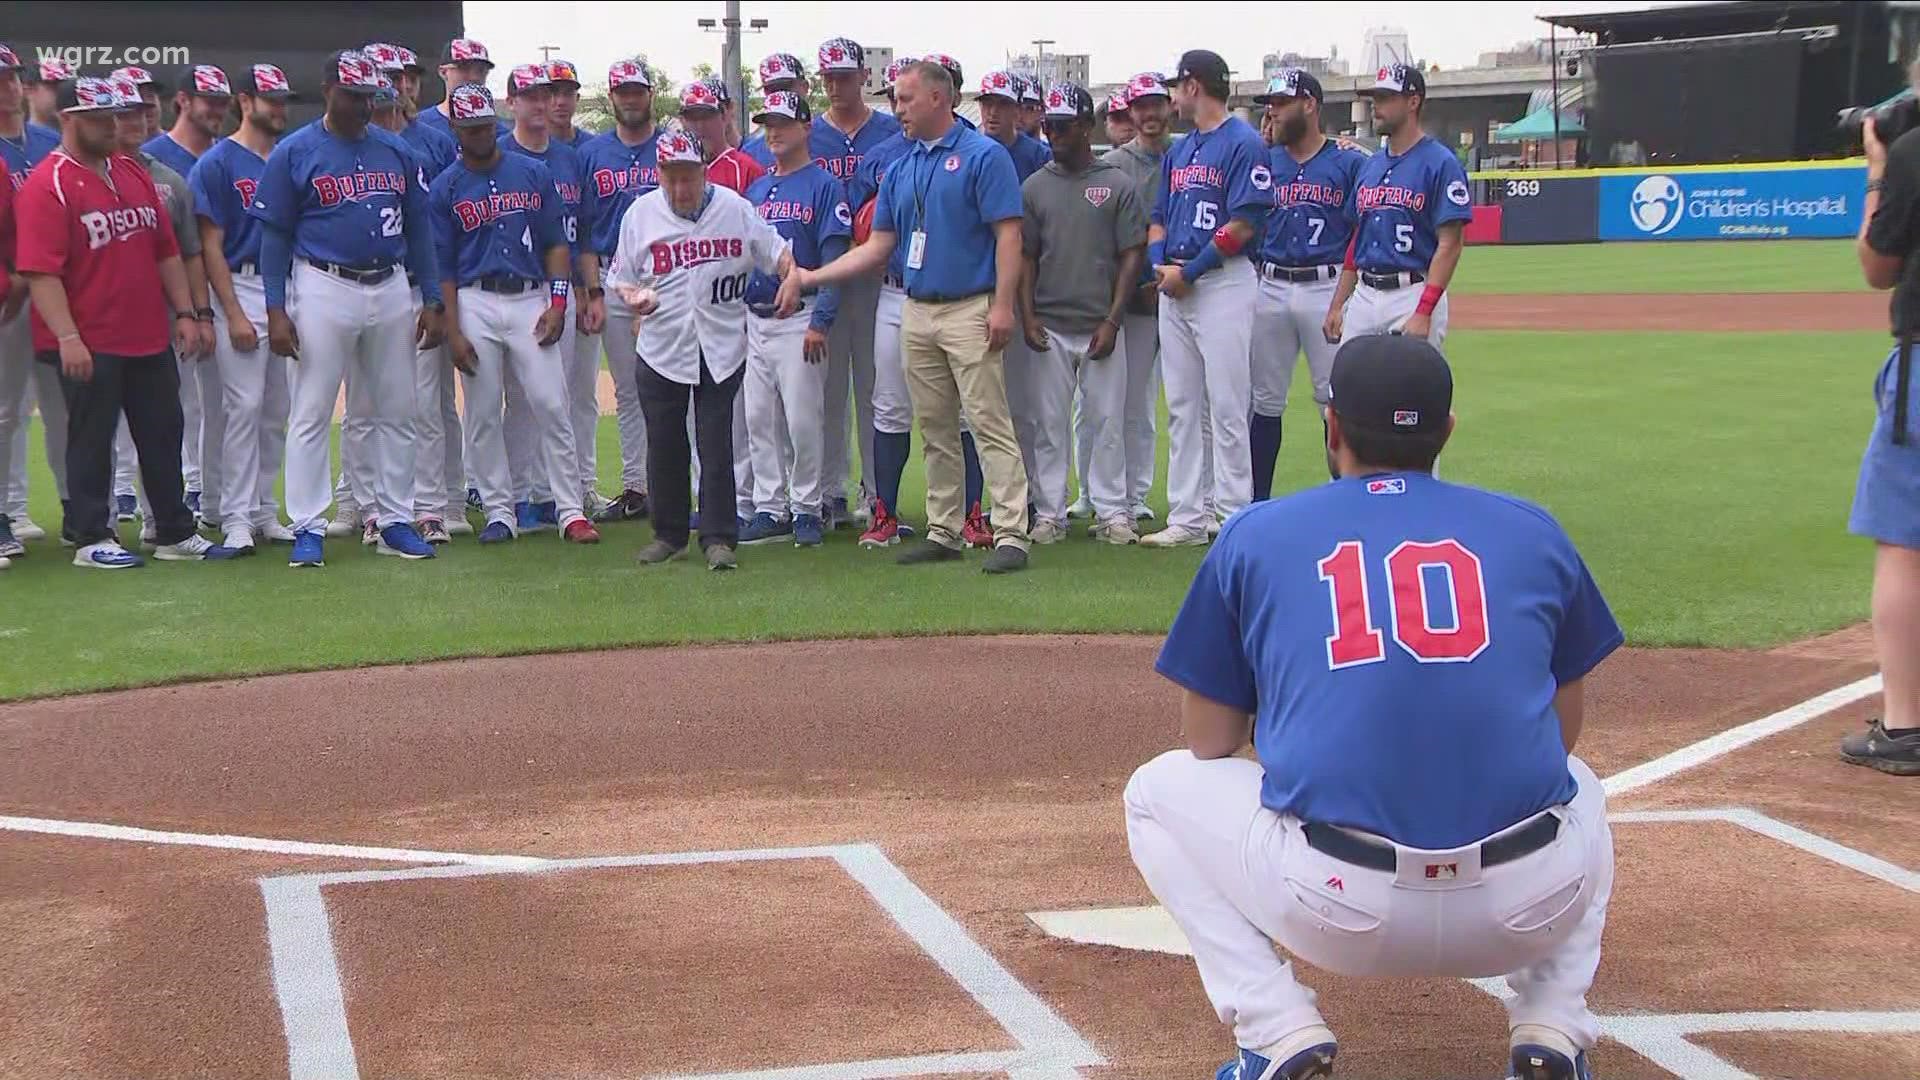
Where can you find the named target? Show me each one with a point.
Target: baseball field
(846, 820)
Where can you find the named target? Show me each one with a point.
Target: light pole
(547, 51)
(1040, 60)
(730, 56)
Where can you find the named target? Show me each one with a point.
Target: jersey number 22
(1356, 640)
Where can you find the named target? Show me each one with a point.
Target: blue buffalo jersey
(1398, 641)
(563, 162)
(1399, 204)
(839, 153)
(224, 181)
(433, 146)
(35, 143)
(1028, 154)
(809, 208)
(756, 148)
(616, 174)
(1208, 179)
(352, 202)
(499, 223)
(170, 153)
(1308, 225)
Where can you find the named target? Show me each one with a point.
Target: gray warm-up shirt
(178, 198)
(1141, 164)
(1076, 226)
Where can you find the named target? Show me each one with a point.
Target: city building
(1321, 67)
(1051, 67)
(878, 57)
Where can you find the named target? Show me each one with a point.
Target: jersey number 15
(1356, 640)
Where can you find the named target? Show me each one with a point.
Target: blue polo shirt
(954, 191)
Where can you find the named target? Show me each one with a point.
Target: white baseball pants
(22, 383)
(254, 401)
(1287, 319)
(621, 357)
(1103, 394)
(501, 329)
(1206, 340)
(892, 406)
(211, 433)
(785, 416)
(523, 437)
(1024, 407)
(850, 354)
(362, 334)
(1139, 433)
(583, 400)
(191, 411)
(1382, 311)
(126, 465)
(1238, 878)
(439, 483)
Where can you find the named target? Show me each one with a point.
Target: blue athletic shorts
(1886, 504)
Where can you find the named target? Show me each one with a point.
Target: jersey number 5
(1356, 641)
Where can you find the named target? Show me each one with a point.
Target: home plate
(1146, 929)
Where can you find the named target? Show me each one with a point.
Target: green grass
(1706, 478)
(1679, 267)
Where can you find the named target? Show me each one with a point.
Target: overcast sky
(979, 32)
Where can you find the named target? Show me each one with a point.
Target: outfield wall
(1762, 201)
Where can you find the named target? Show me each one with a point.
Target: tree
(596, 104)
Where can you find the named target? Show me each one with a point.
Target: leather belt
(1337, 843)
(772, 311)
(1298, 274)
(892, 282)
(505, 286)
(355, 274)
(247, 266)
(1396, 280)
(935, 298)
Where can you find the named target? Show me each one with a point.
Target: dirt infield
(936, 793)
(1757, 312)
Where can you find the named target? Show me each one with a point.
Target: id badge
(916, 249)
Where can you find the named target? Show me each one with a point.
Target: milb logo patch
(1393, 485)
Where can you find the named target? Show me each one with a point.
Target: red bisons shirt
(734, 170)
(104, 238)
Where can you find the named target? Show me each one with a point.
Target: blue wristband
(1208, 259)
(1157, 253)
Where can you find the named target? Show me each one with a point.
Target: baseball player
(786, 371)
(500, 226)
(620, 167)
(23, 145)
(43, 92)
(463, 61)
(779, 71)
(840, 138)
(1118, 119)
(1084, 233)
(1215, 191)
(565, 78)
(1149, 107)
(1032, 114)
(1411, 204)
(1117, 129)
(253, 382)
(1467, 842)
(343, 199)
(688, 250)
(1298, 258)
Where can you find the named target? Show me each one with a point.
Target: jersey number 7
(1356, 641)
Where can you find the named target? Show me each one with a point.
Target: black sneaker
(1005, 559)
(927, 551)
(630, 506)
(1874, 748)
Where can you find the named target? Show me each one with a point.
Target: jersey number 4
(1356, 640)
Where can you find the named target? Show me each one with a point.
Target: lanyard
(920, 193)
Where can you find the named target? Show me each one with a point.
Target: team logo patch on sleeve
(842, 215)
(1457, 193)
(1262, 178)
(1392, 485)
(1098, 196)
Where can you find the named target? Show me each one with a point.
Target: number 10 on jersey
(1356, 640)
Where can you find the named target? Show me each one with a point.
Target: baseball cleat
(526, 518)
(196, 548)
(721, 557)
(764, 528)
(657, 552)
(975, 530)
(864, 515)
(630, 504)
(1118, 532)
(928, 551)
(549, 512)
(370, 533)
(434, 531)
(592, 502)
(1176, 536)
(346, 522)
(273, 532)
(1081, 508)
(808, 531)
(309, 549)
(1142, 512)
(25, 531)
(458, 525)
(106, 555)
(1305, 1055)
(1893, 752)
(1006, 559)
(404, 541)
(240, 540)
(10, 545)
(835, 513)
(1049, 531)
(496, 532)
(885, 530)
(473, 499)
(581, 531)
(1530, 1062)
(149, 536)
(126, 507)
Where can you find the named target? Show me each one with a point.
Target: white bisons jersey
(699, 269)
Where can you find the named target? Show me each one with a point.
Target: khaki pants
(950, 368)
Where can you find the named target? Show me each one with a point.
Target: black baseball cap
(1396, 79)
(1389, 384)
(1203, 64)
(1290, 83)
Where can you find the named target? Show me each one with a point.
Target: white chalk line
(99, 831)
